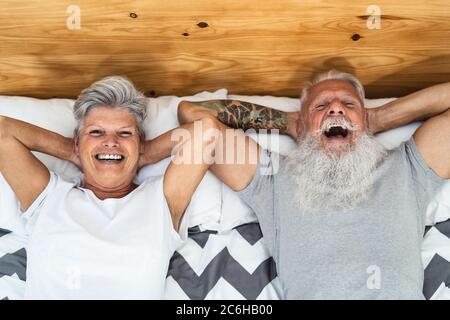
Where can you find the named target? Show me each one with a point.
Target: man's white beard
(334, 181)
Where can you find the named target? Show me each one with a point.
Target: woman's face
(109, 147)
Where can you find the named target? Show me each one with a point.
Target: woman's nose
(110, 141)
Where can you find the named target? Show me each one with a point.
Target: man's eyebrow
(327, 95)
(320, 97)
(93, 125)
(346, 96)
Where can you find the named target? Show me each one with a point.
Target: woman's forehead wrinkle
(116, 122)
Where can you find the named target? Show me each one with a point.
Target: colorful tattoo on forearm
(245, 115)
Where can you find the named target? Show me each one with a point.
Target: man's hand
(372, 121)
(295, 127)
(149, 154)
(158, 148)
(191, 161)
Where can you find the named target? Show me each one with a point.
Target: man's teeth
(336, 131)
(109, 157)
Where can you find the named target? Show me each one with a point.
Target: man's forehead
(333, 88)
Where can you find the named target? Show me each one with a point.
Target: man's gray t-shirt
(370, 252)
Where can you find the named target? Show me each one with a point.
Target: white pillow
(56, 115)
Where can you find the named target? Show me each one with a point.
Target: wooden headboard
(248, 46)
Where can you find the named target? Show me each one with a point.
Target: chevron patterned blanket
(230, 265)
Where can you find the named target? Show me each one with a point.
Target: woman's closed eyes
(98, 133)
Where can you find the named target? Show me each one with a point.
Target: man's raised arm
(241, 115)
(237, 155)
(433, 136)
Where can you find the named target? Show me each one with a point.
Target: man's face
(334, 113)
(109, 146)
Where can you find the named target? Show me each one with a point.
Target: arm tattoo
(246, 115)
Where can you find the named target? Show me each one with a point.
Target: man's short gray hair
(112, 92)
(332, 75)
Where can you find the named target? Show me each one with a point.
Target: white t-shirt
(82, 247)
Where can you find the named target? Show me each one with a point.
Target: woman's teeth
(109, 157)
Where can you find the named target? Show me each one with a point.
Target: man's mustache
(336, 121)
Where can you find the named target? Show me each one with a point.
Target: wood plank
(264, 47)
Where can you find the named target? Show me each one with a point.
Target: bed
(260, 52)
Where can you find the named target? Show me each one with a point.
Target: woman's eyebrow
(130, 127)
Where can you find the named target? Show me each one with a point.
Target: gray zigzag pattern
(436, 273)
(201, 237)
(438, 270)
(16, 263)
(222, 266)
(250, 232)
(4, 232)
(12, 263)
(444, 227)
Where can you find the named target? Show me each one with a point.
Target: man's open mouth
(109, 158)
(336, 132)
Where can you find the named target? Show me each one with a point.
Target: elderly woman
(104, 237)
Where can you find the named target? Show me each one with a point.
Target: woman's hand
(72, 155)
(75, 160)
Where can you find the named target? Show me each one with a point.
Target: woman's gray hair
(113, 92)
(332, 75)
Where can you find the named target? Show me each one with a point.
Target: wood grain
(250, 47)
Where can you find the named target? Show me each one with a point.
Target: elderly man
(343, 217)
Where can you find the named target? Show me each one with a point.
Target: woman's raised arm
(26, 175)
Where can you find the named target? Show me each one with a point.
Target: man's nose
(110, 141)
(336, 108)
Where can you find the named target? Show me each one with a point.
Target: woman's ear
(75, 154)
(76, 149)
(141, 143)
